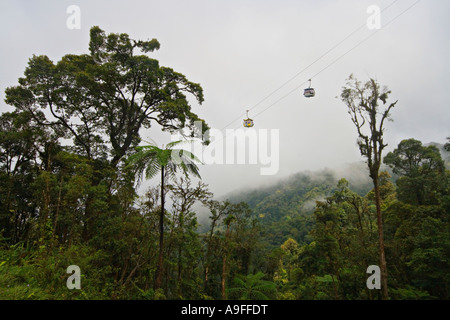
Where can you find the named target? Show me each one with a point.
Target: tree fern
(150, 160)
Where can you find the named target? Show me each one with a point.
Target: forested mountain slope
(285, 208)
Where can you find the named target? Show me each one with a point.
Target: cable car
(309, 92)
(248, 123)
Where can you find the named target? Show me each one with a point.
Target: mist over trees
(71, 155)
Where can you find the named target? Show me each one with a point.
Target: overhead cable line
(325, 68)
(339, 58)
(311, 64)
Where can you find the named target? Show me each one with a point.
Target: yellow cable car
(248, 123)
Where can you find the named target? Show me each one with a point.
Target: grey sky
(241, 51)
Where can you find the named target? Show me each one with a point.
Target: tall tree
(19, 147)
(217, 212)
(363, 103)
(183, 197)
(151, 160)
(101, 100)
(228, 221)
(233, 235)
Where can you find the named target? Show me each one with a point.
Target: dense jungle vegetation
(311, 236)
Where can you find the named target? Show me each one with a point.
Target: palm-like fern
(149, 161)
(252, 287)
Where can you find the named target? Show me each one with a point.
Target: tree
(19, 148)
(211, 240)
(421, 170)
(362, 101)
(150, 160)
(184, 196)
(101, 100)
(228, 221)
(233, 235)
(289, 260)
(252, 287)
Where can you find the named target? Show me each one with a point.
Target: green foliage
(252, 287)
(311, 236)
(422, 172)
(150, 160)
(28, 274)
(119, 260)
(101, 100)
(285, 209)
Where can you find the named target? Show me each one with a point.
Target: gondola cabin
(309, 92)
(248, 123)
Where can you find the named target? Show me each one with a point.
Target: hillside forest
(72, 161)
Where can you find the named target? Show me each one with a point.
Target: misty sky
(242, 51)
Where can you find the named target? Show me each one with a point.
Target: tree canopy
(103, 99)
(72, 158)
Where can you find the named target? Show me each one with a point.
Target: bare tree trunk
(224, 277)
(161, 236)
(208, 254)
(224, 265)
(383, 267)
(55, 224)
(362, 101)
